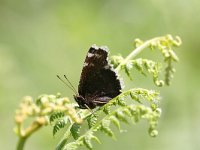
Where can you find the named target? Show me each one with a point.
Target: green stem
(137, 51)
(26, 134)
(65, 138)
(21, 143)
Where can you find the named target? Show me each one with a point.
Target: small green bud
(153, 133)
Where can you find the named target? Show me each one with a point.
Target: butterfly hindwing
(98, 82)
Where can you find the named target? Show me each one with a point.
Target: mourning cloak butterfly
(99, 82)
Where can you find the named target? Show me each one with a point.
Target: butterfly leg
(92, 112)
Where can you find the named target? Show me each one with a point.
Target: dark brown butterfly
(99, 82)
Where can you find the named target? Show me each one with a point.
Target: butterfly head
(83, 103)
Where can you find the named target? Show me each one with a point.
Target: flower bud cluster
(43, 107)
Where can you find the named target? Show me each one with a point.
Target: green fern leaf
(127, 71)
(107, 109)
(95, 138)
(92, 119)
(59, 125)
(71, 146)
(115, 121)
(105, 127)
(120, 115)
(121, 101)
(75, 130)
(55, 116)
(87, 142)
(127, 112)
(135, 97)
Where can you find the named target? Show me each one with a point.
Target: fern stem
(21, 142)
(136, 51)
(27, 133)
(65, 138)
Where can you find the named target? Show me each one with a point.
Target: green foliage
(59, 125)
(46, 110)
(165, 45)
(92, 119)
(56, 116)
(120, 111)
(75, 129)
(131, 106)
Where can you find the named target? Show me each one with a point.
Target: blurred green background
(42, 38)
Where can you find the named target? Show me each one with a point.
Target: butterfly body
(99, 82)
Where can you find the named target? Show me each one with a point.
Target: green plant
(130, 106)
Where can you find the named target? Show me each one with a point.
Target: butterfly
(99, 83)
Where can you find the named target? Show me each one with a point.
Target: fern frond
(105, 127)
(164, 44)
(55, 116)
(87, 141)
(92, 119)
(107, 110)
(121, 116)
(59, 125)
(71, 146)
(120, 113)
(115, 121)
(75, 130)
(46, 110)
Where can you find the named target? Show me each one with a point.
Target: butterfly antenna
(66, 84)
(70, 83)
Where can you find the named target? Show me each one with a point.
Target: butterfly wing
(99, 82)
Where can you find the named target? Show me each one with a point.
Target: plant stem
(136, 51)
(65, 138)
(21, 142)
(28, 132)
